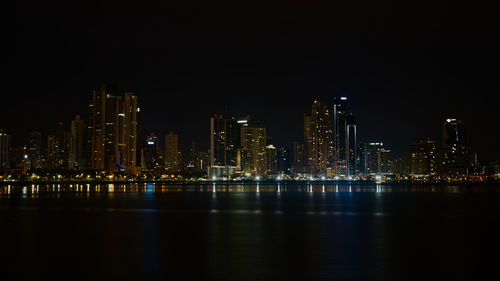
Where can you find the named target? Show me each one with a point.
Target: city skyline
(403, 74)
(111, 139)
(187, 136)
(250, 140)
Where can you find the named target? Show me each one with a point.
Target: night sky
(405, 66)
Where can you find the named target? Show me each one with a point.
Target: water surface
(249, 232)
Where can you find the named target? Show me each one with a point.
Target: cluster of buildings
(109, 141)
(330, 149)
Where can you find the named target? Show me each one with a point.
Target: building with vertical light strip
(340, 116)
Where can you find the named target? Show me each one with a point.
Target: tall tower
(455, 147)
(172, 151)
(318, 136)
(223, 141)
(127, 137)
(112, 130)
(35, 150)
(253, 149)
(340, 116)
(5, 147)
(97, 128)
(423, 157)
(351, 146)
(77, 144)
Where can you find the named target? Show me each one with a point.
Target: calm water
(249, 232)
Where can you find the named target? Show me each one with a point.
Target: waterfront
(249, 232)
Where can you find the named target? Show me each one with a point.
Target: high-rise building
(253, 150)
(193, 157)
(284, 161)
(423, 157)
(172, 152)
(318, 136)
(300, 164)
(151, 159)
(376, 158)
(455, 147)
(34, 151)
(361, 159)
(58, 149)
(340, 116)
(224, 145)
(112, 130)
(271, 159)
(78, 145)
(127, 133)
(384, 161)
(5, 147)
(351, 146)
(97, 127)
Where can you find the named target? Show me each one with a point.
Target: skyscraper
(127, 144)
(376, 158)
(423, 157)
(78, 144)
(253, 149)
(351, 146)
(340, 116)
(5, 147)
(34, 151)
(97, 128)
(318, 136)
(151, 155)
(224, 144)
(172, 152)
(284, 161)
(58, 149)
(271, 159)
(455, 147)
(112, 130)
(300, 160)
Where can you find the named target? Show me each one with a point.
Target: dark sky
(405, 65)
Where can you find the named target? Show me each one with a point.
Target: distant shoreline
(253, 182)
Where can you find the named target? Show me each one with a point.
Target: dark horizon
(404, 69)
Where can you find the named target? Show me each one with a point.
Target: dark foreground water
(248, 232)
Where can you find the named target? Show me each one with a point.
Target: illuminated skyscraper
(423, 157)
(151, 155)
(284, 161)
(172, 152)
(97, 128)
(34, 151)
(127, 145)
(351, 146)
(455, 147)
(318, 136)
(271, 159)
(376, 158)
(340, 132)
(58, 149)
(112, 130)
(5, 147)
(224, 144)
(253, 150)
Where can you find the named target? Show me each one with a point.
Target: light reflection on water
(34, 190)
